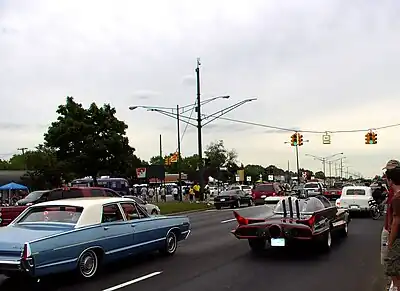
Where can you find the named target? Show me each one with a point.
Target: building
(7, 176)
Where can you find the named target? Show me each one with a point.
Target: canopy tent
(13, 186)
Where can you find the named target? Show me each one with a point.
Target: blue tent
(13, 186)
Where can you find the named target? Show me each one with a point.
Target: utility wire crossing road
(213, 260)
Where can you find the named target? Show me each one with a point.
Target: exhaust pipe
(296, 202)
(290, 207)
(284, 208)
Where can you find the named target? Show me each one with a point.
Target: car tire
(257, 245)
(171, 244)
(251, 203)
(154, 212)
(88, 264)
(238, 204)
(325, 243)
(345, 230)
(217, 207)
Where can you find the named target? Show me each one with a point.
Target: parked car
(245, 188)
(314, 189)
(9, 213)
(232, 199)
(150, 208)
(31, 198)
(267, 192)
(82, 234)
(355, 198)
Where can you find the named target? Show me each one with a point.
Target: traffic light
(368, 138)
(293, 141)
(374, 138)
(300, 139)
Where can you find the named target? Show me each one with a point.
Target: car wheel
(238, 204)
(154, 212)
(326, 242)
(171, 244)
(257, 244)
(88, 264)
(345, 229)
(217, 207)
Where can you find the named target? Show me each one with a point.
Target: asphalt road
(213, 260)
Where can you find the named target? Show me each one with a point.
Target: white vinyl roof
(92, 207)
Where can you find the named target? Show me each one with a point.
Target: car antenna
(290, 207)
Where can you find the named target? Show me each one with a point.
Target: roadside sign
(248, 178)
(270, 177)
(237, 178)
(141, 173)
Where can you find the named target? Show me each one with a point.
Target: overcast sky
(315, 65)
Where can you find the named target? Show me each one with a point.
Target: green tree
(156, 160)
(254, 171)
(319, 175)
(89, 141)
(216, 153)
(17, 162)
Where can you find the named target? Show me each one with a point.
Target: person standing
(151, 194)
(196, 189)
(175, 193)
(163, 194)
(392, 254)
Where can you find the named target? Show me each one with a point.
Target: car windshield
(305, 206)
(264, 187)
(138, 200)
(33, 196)
(55, 214)
(311, 185)
(227, 193)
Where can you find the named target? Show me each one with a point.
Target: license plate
(222, 200)
(354, 207)
(277, 242)
(333, 193)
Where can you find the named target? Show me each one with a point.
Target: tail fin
(240, 219)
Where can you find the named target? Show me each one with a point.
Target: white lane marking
(228, 220)
(116, 287)
(249, 207)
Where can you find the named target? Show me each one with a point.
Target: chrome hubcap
(329, 239)
(171, 243)
(88, 264)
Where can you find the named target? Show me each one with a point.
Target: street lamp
(297, 159)
(323, 159)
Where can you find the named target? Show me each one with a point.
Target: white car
(245, 188)
(314, 188)
(150, 208)
(355, 198)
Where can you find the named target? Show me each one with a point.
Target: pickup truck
(8, 214)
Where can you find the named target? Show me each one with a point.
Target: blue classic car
(81, 234)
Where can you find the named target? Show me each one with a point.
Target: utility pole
(341, 169)
(297, 163)
(179, 153)
(23, 154)
(199, 136)
(161, 156)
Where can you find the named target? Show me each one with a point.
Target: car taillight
(240, 219)
(326, 193)
(310, 221)
(26, 253)
(273, 194)
(340, 192)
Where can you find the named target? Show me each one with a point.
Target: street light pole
(199, 135)
(179, 162)
(297, 164)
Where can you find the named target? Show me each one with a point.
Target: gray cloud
(311, 64)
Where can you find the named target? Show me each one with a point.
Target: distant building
(11, 176)
(169, 178)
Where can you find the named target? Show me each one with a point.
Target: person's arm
(394, 228)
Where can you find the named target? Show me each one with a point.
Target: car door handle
(106, 228)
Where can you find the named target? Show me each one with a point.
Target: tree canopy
(89, 141)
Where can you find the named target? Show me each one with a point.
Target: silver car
(150, 208)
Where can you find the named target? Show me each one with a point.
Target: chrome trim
(56, 263)
(134, 246)
(187, 233)
(10, 262)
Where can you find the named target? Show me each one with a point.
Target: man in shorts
(392, 164)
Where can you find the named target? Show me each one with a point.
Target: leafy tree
(319, 175)
(254, 171)
(89, 141)
(216, 153)
(156, 160)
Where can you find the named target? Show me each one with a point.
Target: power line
(306, 130)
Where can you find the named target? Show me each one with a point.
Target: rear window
(355, 192)
(311, 185)
(58, 214)
(264, 188)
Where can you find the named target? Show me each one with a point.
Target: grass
(176, 207)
